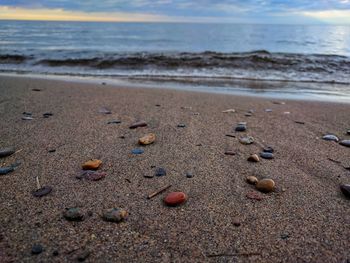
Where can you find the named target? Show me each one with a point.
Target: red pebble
(175, 198)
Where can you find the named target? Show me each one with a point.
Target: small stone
(115, 215)
(114, 122)
(230, 152)
(330, 137)
(52, 150)
(246, 140)
(229, 111)
(73, 214)
(175, 198)
(105, 110)
(284, 236)
(36, 89)
(148, 175)
(92, 175)
(236, 222)
(37, 249)
(265, 185)
(252, 180)
(83, 255)
(27, 113)
(55, 253)
(42, 191)
(268, 110)
(253, 158)
(241, 127)
(189, 175)
(230, 135)
(248, 114)
(181, 125)
(268, 149)
(27, 118)
(300, 122)
(92, 164)
(254, 195)
(160, 172)
(6, 170)
(147, 139)
(158, 105)
(345, 188)
(266, 155)
(348, 132)
(137, 151)
(47, 114)
(138, 124)
(345, 143)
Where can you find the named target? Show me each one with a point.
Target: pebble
(83, 255)
(27, 113)
(73, 214)
(241, 126)
(181, 125)
(92, 164)
(115, 215)
(253, 158)
(265, 185)
(189, 175)
(230, 152)
(254, 195)
(47, 114)
(175, 198)
(148, 175)
(55, 253)
(137, 151)
(348, 132)
(268, 110)
(279, 102)
(114, 122)
(138, 124)
(229, 111)
(345, 188)
(248, 114)
(268, 149)
(345, 143)
(105, 110)
(160, 172)
(246, 140)
(230, 135)
(42, 191)
(266, 155)
(252, 179)
(147, 139)
(36, 89)
(37, 249)
(27, 118)
(6, 170)
(92, 175)
(330, 137)
(52, 150)
(236, 222)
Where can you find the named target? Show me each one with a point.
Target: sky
(233, 11)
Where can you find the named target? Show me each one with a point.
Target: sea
(280, 61)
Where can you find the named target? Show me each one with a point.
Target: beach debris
(4, 152)
(300, 122)
(229, 111)
(148, 175)
(158, 191)
(248, 114)
(138, 124)
(230, 152)
(91, 175)
(253, 158)
(36, 89)
(41, 191)
(115, 215)
(266, 155)
(268, 110)
(52, 150)
(330, 137)
(137, 151)
(241, 127)
(345, 143)
(279, 102)
(160, 172)
(47, 114)
(236, 222)
(37, 249)
(230, 135)
(73, 214)
(345, 188)
(105, 110)
(6, 170)
(181, 125)
(265, 185)
(189, 175)
(114, 122)
(254, 195)
(27, 118)
(175, 198)
(246, 140)
(147, 139)
(82, 256)
(252, 179)
(92, 164)
(268, 149)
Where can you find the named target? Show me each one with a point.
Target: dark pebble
(241, 127)
(229, 152)
(55, 253)
(230, 135)
(248, 114)
(300, 122)
(148, 175)
(42, 191)
(36, 89)
(103, 83)
(157, 105)
(114, 122)
(348, 132)
(27, 113)
(345, 143)
(268, 149)
(115, 215)
(160, 172)
(284, 236)
(189, 175)
(52, 150)
(345, 188)
(37, 249)
(122, 137)
(181, 125)
(83, 255)
(47, 114)
(138, 124)
(266, 155)
(137, 151)
(6, 170)
(73, 214)
(330, 137)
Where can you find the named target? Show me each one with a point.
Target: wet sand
(306, 219)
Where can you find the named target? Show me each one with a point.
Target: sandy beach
(306, 218)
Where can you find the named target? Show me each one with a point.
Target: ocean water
(213, 55)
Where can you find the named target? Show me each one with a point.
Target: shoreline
(305, 219)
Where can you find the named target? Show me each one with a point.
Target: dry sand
(307, 219)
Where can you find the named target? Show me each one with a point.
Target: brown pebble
(252, 179)
(236, 222)
(147, 139)
(92, 164)
(115, 215)
(266, 185)
(253, 158)
(175, 198)
(73, 214)
(254, 195)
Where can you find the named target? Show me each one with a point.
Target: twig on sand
(18, 151)
(158, 192)
(335, 161)
(233, 254)
(299, 122)
(339, 162)
(38, 186)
